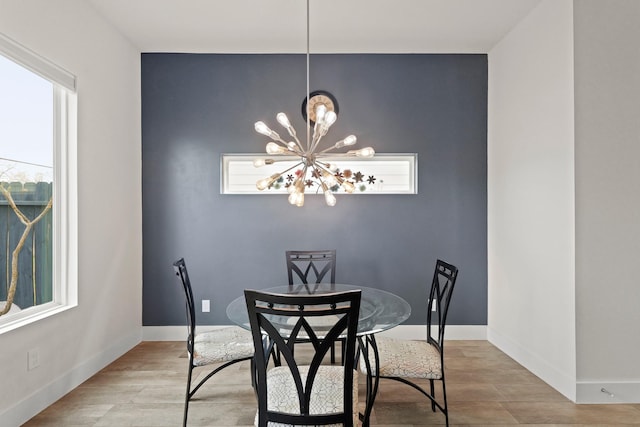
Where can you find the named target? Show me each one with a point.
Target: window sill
(31, 315)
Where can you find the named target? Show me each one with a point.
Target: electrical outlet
(33, 359)
(206, 306)
(434, 306)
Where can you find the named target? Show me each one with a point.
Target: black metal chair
(403, 360)
(305, 268)
(303, 263)
(304, 394)
(228, 345)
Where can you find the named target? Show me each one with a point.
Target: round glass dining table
(379, 310)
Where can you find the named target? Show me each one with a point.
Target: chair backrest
(282, 319)
(311, 266)
(180, 269)
(444, 279)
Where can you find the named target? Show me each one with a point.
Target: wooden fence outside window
(35, 262)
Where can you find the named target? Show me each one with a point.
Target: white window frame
(397, 173)
(65, 210)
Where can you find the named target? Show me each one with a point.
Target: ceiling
(336, 26)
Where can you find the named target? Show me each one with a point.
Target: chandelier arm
(323, 154)
(326, 150)
(317, 136)
(296, 150)
(292, 167)
(289, 159)
(298, 143)
(325, 166)
(303, 177)
(293, 149)
(281, 141)
(326, 169)
(317, 166)
(329, 198)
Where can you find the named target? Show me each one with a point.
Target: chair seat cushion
(406, 359)
(326, 395)
(222, 345)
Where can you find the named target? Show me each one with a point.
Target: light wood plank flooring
(146, 386)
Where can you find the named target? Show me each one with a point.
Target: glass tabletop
(379, 310)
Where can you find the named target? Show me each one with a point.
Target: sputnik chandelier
(319, 109)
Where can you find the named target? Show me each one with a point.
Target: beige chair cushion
(406, 359)
(326, 396)
(222, 345)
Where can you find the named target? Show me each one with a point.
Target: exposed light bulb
(363, 152)
(283, 120)
(296, 198)
(296, 186)
(321, 110)
(273, 148)
(348, 187)
(261, 162)
(330, 118)
(262, 184)
(265, 183)
(350, 140)
(322, 126)
(329, 178)
(329, 198)
(260, 127)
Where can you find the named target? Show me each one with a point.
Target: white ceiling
(336, 26)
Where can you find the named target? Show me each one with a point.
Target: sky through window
(26, 124)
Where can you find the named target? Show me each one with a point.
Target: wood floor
(146, 386)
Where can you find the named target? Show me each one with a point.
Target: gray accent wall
(196, 107)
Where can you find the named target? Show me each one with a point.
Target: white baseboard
(608, 392)
(48, 394)
(171, 333)
(411, 332)
(539, 367)
(453, 332)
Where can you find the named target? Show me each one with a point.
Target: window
(382, 174)
(37, 187)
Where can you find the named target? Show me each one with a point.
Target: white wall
(607, 81)
(531, 195)
(75, 344)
